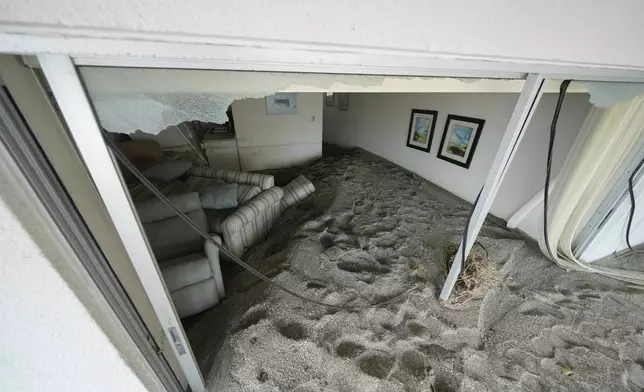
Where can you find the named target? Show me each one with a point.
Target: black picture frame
(342, 101)
(434, 114)
(474, 142)
(329, 99)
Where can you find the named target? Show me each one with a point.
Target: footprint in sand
(410, 251)
(376, 364)
(538, 308)
(315, 285)
(367, 278)
(417, 329)
(390, 222)
(383, 256)
(570, 338)
(590, 296)
(349, 349)
(374, 229)
(327, 239)
(436, 352)
(345, 221)
(361, 266)
(350, 241)
(570, 303)
(360, 261)
(411, 369)
(262, 376)
(359, 206)
(334, 252)
(414, 363)
(380, 212)
(404, 210)
(316, 226)
(291, 329)
(524, 359)
(542, 345)
(386, 241)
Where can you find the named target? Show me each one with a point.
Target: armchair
(189, 265)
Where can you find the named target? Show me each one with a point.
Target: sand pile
(372, 232)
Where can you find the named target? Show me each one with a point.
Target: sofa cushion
(296, 191)
(168, 170)
(155, 210)
(186, 270)
(195, 298)
(220, 197)
(216, 218)
(264, 181)
(172, 237)
(245, 193)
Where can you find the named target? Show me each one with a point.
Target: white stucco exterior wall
(49, 341)
(574, 31)
(379, 123)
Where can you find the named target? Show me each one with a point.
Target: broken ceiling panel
(153, 99)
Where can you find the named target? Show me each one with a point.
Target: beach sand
(372, 232)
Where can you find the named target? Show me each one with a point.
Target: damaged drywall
(151, 99)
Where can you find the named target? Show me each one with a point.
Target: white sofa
(242, 227)
(194, 281)
(189, 264)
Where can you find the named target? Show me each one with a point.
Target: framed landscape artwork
(281, 103)
(460, 139)
(343, 101)
(421, 129)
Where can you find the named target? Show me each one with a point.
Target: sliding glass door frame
(60, 55)
(70, 95)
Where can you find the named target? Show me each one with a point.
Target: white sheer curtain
(603, 149)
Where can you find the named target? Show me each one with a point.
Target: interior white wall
(379, 123)
(528, 218)
(49, 340)
(575, 31)
(278, 140)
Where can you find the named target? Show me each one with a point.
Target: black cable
(553, 132)
(487, 254)
(126, 163)
(632, 211)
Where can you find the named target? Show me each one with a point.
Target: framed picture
(343, 101)
(281, 103)
(460, 139)
(421, 129)
(330, 99)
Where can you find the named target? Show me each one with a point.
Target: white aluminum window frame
(60, 53)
